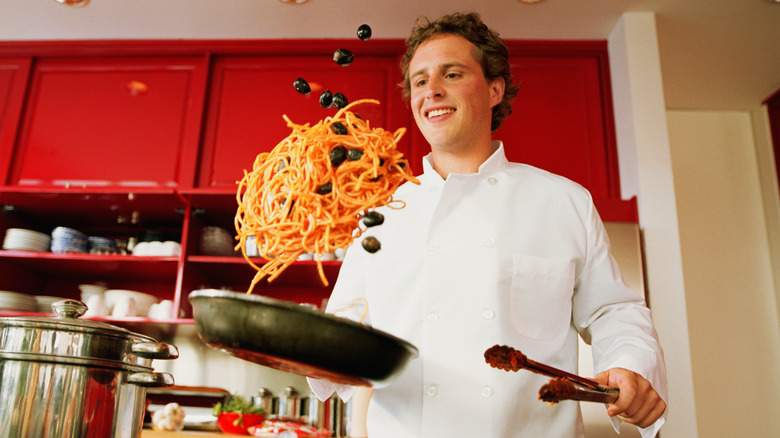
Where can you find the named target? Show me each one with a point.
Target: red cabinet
(562, 118)
(111, 122)
(249, 94)
(118, 138)
(561, 121)
(13, 81)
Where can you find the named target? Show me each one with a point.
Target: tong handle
(555, 372)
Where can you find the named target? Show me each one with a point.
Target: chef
(490, 252)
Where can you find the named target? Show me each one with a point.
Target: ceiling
(715, 54)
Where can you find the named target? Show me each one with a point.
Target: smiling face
(451, 99)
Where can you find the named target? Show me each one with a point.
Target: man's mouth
(439, 112)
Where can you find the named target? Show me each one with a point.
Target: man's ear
(496, 87)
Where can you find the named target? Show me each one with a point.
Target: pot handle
(150, 380)
(155, 350)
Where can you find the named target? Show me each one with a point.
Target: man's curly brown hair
(490, 51)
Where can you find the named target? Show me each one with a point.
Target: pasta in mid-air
(311, 191)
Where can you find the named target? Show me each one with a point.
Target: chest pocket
(540, 296)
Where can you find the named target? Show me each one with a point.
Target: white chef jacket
(511, 255)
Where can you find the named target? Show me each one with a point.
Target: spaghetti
(309, 193)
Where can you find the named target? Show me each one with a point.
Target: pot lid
(68, 339)
(67, 319)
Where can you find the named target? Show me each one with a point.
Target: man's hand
(638, 402)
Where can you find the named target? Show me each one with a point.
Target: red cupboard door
(562, 116)
(13, 78)
(561, 121)
(130, 122)
(249, 95)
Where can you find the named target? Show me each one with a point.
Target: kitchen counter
(148, 433)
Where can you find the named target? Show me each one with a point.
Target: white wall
(709, 232)
(643, 150)
(735, 348)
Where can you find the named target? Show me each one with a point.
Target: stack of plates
(18, 301)
(216, 241)
(66, 240)
(44, 303)
(101, 245)
(26, 240)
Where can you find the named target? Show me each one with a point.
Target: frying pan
(298, 339)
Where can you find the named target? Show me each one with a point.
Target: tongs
(509, 359)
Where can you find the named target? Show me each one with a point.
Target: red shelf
(82, 209)
(106, 266)
(299, 275)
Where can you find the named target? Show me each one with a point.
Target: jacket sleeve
(615, 319)
(347, 300)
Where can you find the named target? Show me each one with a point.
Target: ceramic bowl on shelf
(87, 290)
(216, 241)
(168, 248)
(101, 245)
(142, 302)
(68, 240)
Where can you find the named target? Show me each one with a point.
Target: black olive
(302, 86)
(338, 128)
(371, 244)
(326, 99)
(325, 189)
(343, 57)
(292, 204)
(373, 218)
(339, 100)
(375, 179)
(337, 155)
(364, 32)
(381, 161)
(354, 154)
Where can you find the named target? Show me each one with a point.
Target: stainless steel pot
(66, 377)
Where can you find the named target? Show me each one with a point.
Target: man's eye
(420, 83)
(451, 75)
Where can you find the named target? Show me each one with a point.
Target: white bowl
(142, 301)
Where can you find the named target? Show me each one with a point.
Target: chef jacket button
(431, 390)
(488, 314)
(487, 391)
(433, 317)
(492, 180)
(490, 242)
(433, 246)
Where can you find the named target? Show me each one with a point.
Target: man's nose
(434, 89)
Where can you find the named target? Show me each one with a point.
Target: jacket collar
(495, 162)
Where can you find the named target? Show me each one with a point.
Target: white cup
(161, 310)
(96, 306)
(88, 290)
(251, 246)
(124, 307)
